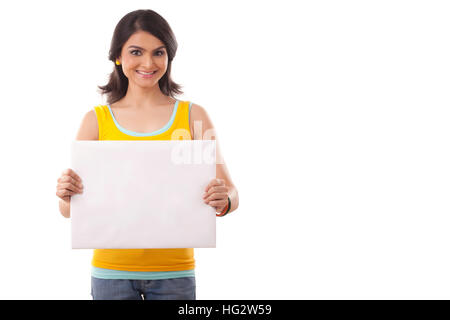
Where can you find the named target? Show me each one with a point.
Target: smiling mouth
(145, 73)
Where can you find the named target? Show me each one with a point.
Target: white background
(333, 117)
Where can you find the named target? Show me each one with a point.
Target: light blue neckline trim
(189, 114)
(146, 134)
(103, 273)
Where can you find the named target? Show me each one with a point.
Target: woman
(141, 106)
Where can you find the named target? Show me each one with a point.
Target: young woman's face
(142, 54)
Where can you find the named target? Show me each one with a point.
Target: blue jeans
(122, 289)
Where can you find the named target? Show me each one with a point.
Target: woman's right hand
(68, 184)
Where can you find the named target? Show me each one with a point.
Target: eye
(161, 53)
(135, 51)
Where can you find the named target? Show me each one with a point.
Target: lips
(146, 73)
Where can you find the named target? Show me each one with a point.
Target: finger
(215, 189)
(67, 193)
(71, 180)
(71, 173)
(65, 198)
(69, 186)
(217, 196)
(64, 194)
(218, 203)
(215, 182)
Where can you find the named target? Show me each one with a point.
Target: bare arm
(202, 129)
(88, 131)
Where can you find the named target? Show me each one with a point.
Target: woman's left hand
(216, 194)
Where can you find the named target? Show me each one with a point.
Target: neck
(138, 97)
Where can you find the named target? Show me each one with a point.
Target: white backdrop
(332, 117)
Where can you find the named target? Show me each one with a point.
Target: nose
(147, 62)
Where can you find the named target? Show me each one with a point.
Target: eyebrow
(137, 47)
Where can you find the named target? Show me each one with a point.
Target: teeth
(142, 72)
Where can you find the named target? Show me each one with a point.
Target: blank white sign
(143, 194)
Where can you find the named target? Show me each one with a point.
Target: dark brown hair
(140, 20)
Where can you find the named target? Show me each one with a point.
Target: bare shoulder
(200, 122)
(199, 113)
(89, 127)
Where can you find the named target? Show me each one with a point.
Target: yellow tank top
(145, 259)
